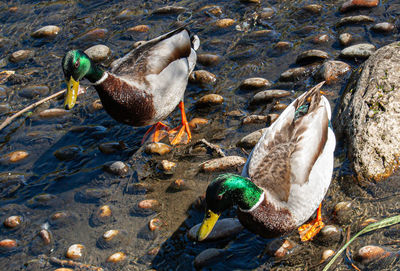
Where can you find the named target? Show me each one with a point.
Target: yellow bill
(72, 93)
(208, 224)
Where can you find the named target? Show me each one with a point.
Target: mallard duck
(285, 177)
(144, 86)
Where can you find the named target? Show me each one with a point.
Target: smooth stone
(295, 74)
(354, 4)
(255, 83)
(329, 235)
(41, 200)
(21, 55)
(343, 212)
(53, 113)
(196, 123)
(370, 253)
(68, 153)
(326, 254)
(137, 189)
(112, 147)
(8, 244)
(117, 168)
(34, 91)
(279, 248)
(209, 100)
(362, 50)
(345, 39)
(110, 234)
(13, 221)
(139, 28)
(283, 45)
(94, 34)
(126, 14)
(168, 167)
(384, 27)
(224, 228)
(211, 10)
(332, 70)
(208, 257)
(62, 219)
(116, 257)
(319, 39)
(170, 10)
(157, 148)
(155, 224)
(358, 19)
(223, 163)
(15, 156)
(64, 269)
(45, 235)
(313, 8)
(177, 185)
(208, 59)
(255, 119)
(101, 216)
(98, 53)
(224, 23)
(250, 140)
(202, 77)
(148, 204)
(75, 251)
(279, 106)
(46, 31)
(311, 56)
(268, 95)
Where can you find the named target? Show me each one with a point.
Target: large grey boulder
(369, 115)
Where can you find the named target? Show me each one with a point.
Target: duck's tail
(309, 101)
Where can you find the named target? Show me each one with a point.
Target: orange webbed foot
(156, 132)
(310, 230)
(181, 134)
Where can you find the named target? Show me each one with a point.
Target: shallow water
(71, 181)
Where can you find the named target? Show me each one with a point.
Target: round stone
(118, 168)
(112, 147)
(384, 27)
(21, 55)
(210, 99)
(202, 77)
(313, 8)
(311, 56)
(13, 221)
(255, 83)
(46, 31)
(98, 53)
(223, 163)
(75, 251)
(67, 153)
(53, 113)
(16, 156)
(34, 91)
(110, 234)
(370, 253)
(157, 148)
(95, 34)
(167, 166)
(195, 123)
(326, 254)
(250, 140)
(358, 19)
(8, 244)
(148, 204)
(45, 235)
(208, 257)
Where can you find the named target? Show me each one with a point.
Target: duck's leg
(183, 132)
(309, 230)
(156, 131)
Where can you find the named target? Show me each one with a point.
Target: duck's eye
(219, 197)
(77, 64)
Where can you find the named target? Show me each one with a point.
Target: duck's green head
(76, 65)
(224, 192)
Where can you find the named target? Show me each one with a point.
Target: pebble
(384, 27)
(101, 216)
(167, 166)
(117, 168)
(370, 253)
(139, 28)
(267, 95)
(279, 106)
(208, 257)
(250, 140)
(362, 50)
(358, 19)
(112, 239)
(279, 249)
(343, 212)
(311, 56)
(266, 13)
(177, 185)
(326, 254)
(116, 257)
(67, 153)
(98, 53)
(329, 235)
(75, 251)
(283, 45)
(223, 163)
(155, 224)
(331, 70)
(255, 83)
(41, 200)
(46, 32)
(295, 74)
(208, 59)
(170, 10)
(255, 119)
(313, 8)
(224, 23)
(195, 123)
(112, 147)
(319, 39)
(31, 92)
(13, 221)
(110, 234)
(46, 236)
(202, 77)
(53, 113)
(138, 189)
(345, 39)
(353, 4)
(212, 10)
(96, 105)
(94, 34)
(126, 14)
(15, 156)
(157, 148)
(224, 228)
(148, 204)
(209, 100)
(8, 244)
(21, 55)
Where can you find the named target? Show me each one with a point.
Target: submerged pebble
(168, 167)
(139, 28)
(195, 123)
(157, 148)
(98, 53)
(250, 140)
(358, 19)
(322, 38)
(223, 163)
(67, 153)
(362, 50)
(112, 239)
(53, 113)
(92, 195)
(255, 119)
(208, 257)
(15, 156)
(345, 39)
(208, 59)
(384, 27)
(224, 228)
(329, 235)
(210, 99)
(75, 251)
(370, 253)
(155, 224)
(223, 23)
(101, 216)
(31, 92)
(148, 204)
(21, 55)
(295, 74)
(202, 77)
(353, 4)
(268, 95)
(313, 8)
(45, 235)
(112, 147)
(170, 10)
(343, 212)
(116, 257)
(311, 56)
(95, 34)
(326, 254)
(177, 185)
(117, 168)
(255, 83)
(8, 244)
(13, 221)
(46, 31)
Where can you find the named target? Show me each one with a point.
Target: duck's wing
(153, 56)
(287, 151)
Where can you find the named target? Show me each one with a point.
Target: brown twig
(348, 251)
(19, 113)
(70, 263)
(213, 147)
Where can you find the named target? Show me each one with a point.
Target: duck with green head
(144, 86)
(285, 177)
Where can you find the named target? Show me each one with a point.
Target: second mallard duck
(144, 86)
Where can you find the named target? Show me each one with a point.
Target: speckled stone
(363, 50)
(21, 55)
(345, 39)
(98, 53)
(209, 100)
(224, 23)
(117, 168)
(268, 95)
(255, 83)
(223, 163)
(202, 77)
(46, 32)
(358, 19)
(384, 27)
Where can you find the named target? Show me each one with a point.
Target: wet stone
(279, 106)
(68, 153)
(196, 123)
(96, 105)
(103, 215)
(33, 91)
(170, 10)
(53, 113)
(329, 235)
(95, 34)
(139, 28)
(117, 168)
(370, 253)
(311, 56)
(208, 257)
(137, 189)
(323, 38)
(250, 140)
(208, 59)
(62, 219)
(255, 119)
(224, 228)
(251, 1)
(10, 183)
(332, 70)
(283, 45)
(14, 157)
(158, 148)
(355, 4)
(8, 244)
(295, 74)
(4, 108)
(177, 186)
(223, 163)
(92, 195)
(112, 147)
(343, 212)
(345, 39)
(279, 248)
(268, 95)
(98, 53)
(255, 83)
(21, 55)
(358, 19)
(75, 251)
(47, 31)
(13, 221)
(167, 167)
(202, 77)
(362, 50)
(326, 254)
(42, 200)
(155, 224)
(384, 27)
(313, 8)
(145, 207)
(209, 100)
(224, 23)
(45, 235)
(116, 257)
(266, 13)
